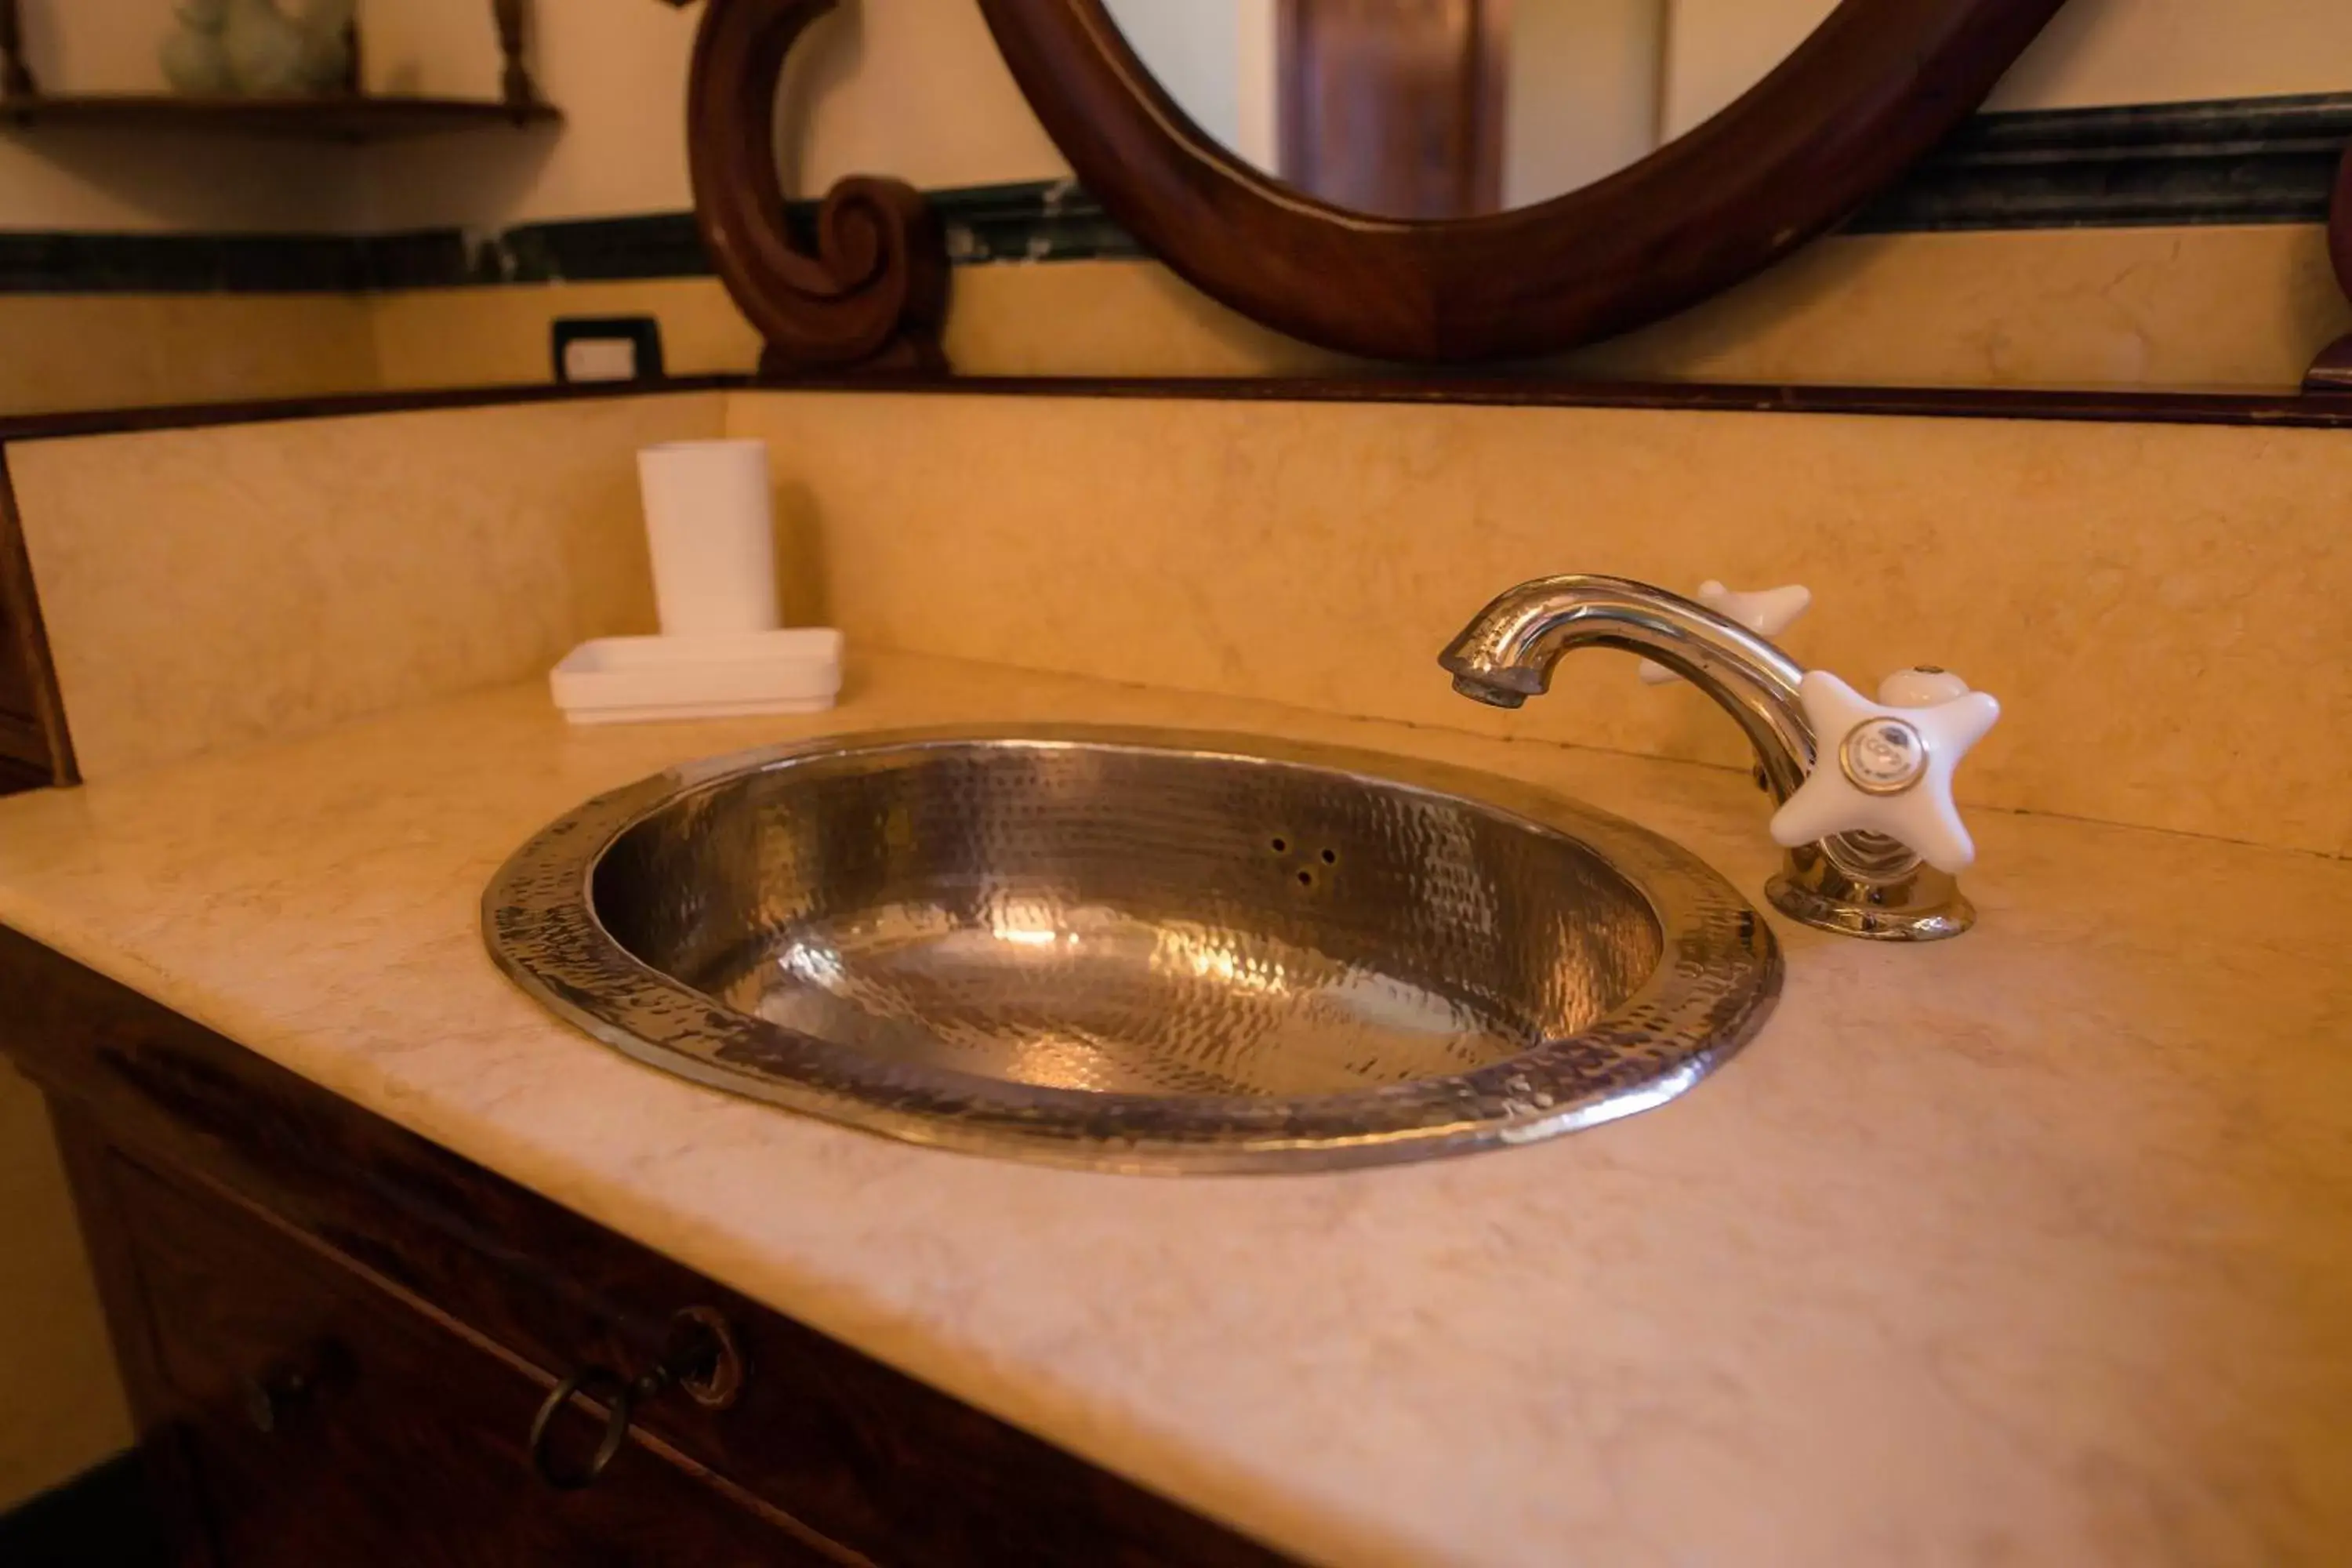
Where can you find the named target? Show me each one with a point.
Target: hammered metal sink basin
(1137, 951)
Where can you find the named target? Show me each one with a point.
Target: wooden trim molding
(2332, 370)
(22, 607)
(2320, 408)
(196, 416)
(2324, 410)
(874, 292)
(1875, 86)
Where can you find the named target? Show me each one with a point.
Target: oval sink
(1137, 951)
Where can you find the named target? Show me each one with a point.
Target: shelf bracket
(514, 78)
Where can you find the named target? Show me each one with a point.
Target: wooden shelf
(324, 119)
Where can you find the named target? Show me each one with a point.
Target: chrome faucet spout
(1859, 883)
(1506, 655)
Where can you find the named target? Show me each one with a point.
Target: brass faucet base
(1926, 905)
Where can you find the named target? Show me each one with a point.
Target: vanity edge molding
(2311, 410)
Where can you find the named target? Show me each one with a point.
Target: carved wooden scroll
(873, 293)
(2332, 370)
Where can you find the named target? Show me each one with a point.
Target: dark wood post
(15, 81)
(2332, 370)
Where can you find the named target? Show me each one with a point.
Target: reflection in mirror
(1444, 108)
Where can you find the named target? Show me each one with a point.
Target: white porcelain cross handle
(1886, 766)
(1766, 611)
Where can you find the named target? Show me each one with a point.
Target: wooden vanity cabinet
(322, 1420)
(336, 1337)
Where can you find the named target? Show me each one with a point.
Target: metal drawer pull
(620, 1401)
(271, 1397)
(701, 1356)
(281, 1392)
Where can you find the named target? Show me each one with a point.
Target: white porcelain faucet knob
(1886, 766)
(1766, 611)
(1921, 686)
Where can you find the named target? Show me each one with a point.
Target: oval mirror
(1485, 179)
(1448, 108)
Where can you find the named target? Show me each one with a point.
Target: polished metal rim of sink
(1137, 950)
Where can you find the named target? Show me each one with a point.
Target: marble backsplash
(212, 587)
(2161, 608)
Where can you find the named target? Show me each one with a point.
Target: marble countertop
(2035, 1247)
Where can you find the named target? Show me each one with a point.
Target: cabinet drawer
(329, 1421)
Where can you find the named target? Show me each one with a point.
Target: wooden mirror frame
(872, 296)
(1876, 85)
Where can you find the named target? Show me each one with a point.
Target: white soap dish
(626, 681)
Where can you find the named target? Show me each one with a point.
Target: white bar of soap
(627, 681)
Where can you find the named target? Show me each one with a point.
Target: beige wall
(2209, 309)
(2238, 309)
(61, 1408)
(1717, 49)
(911, 88)
(478, 337)
(60, 353)
(616, 67)
(2159, 51)
(2094, 52)
(2228, 309)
